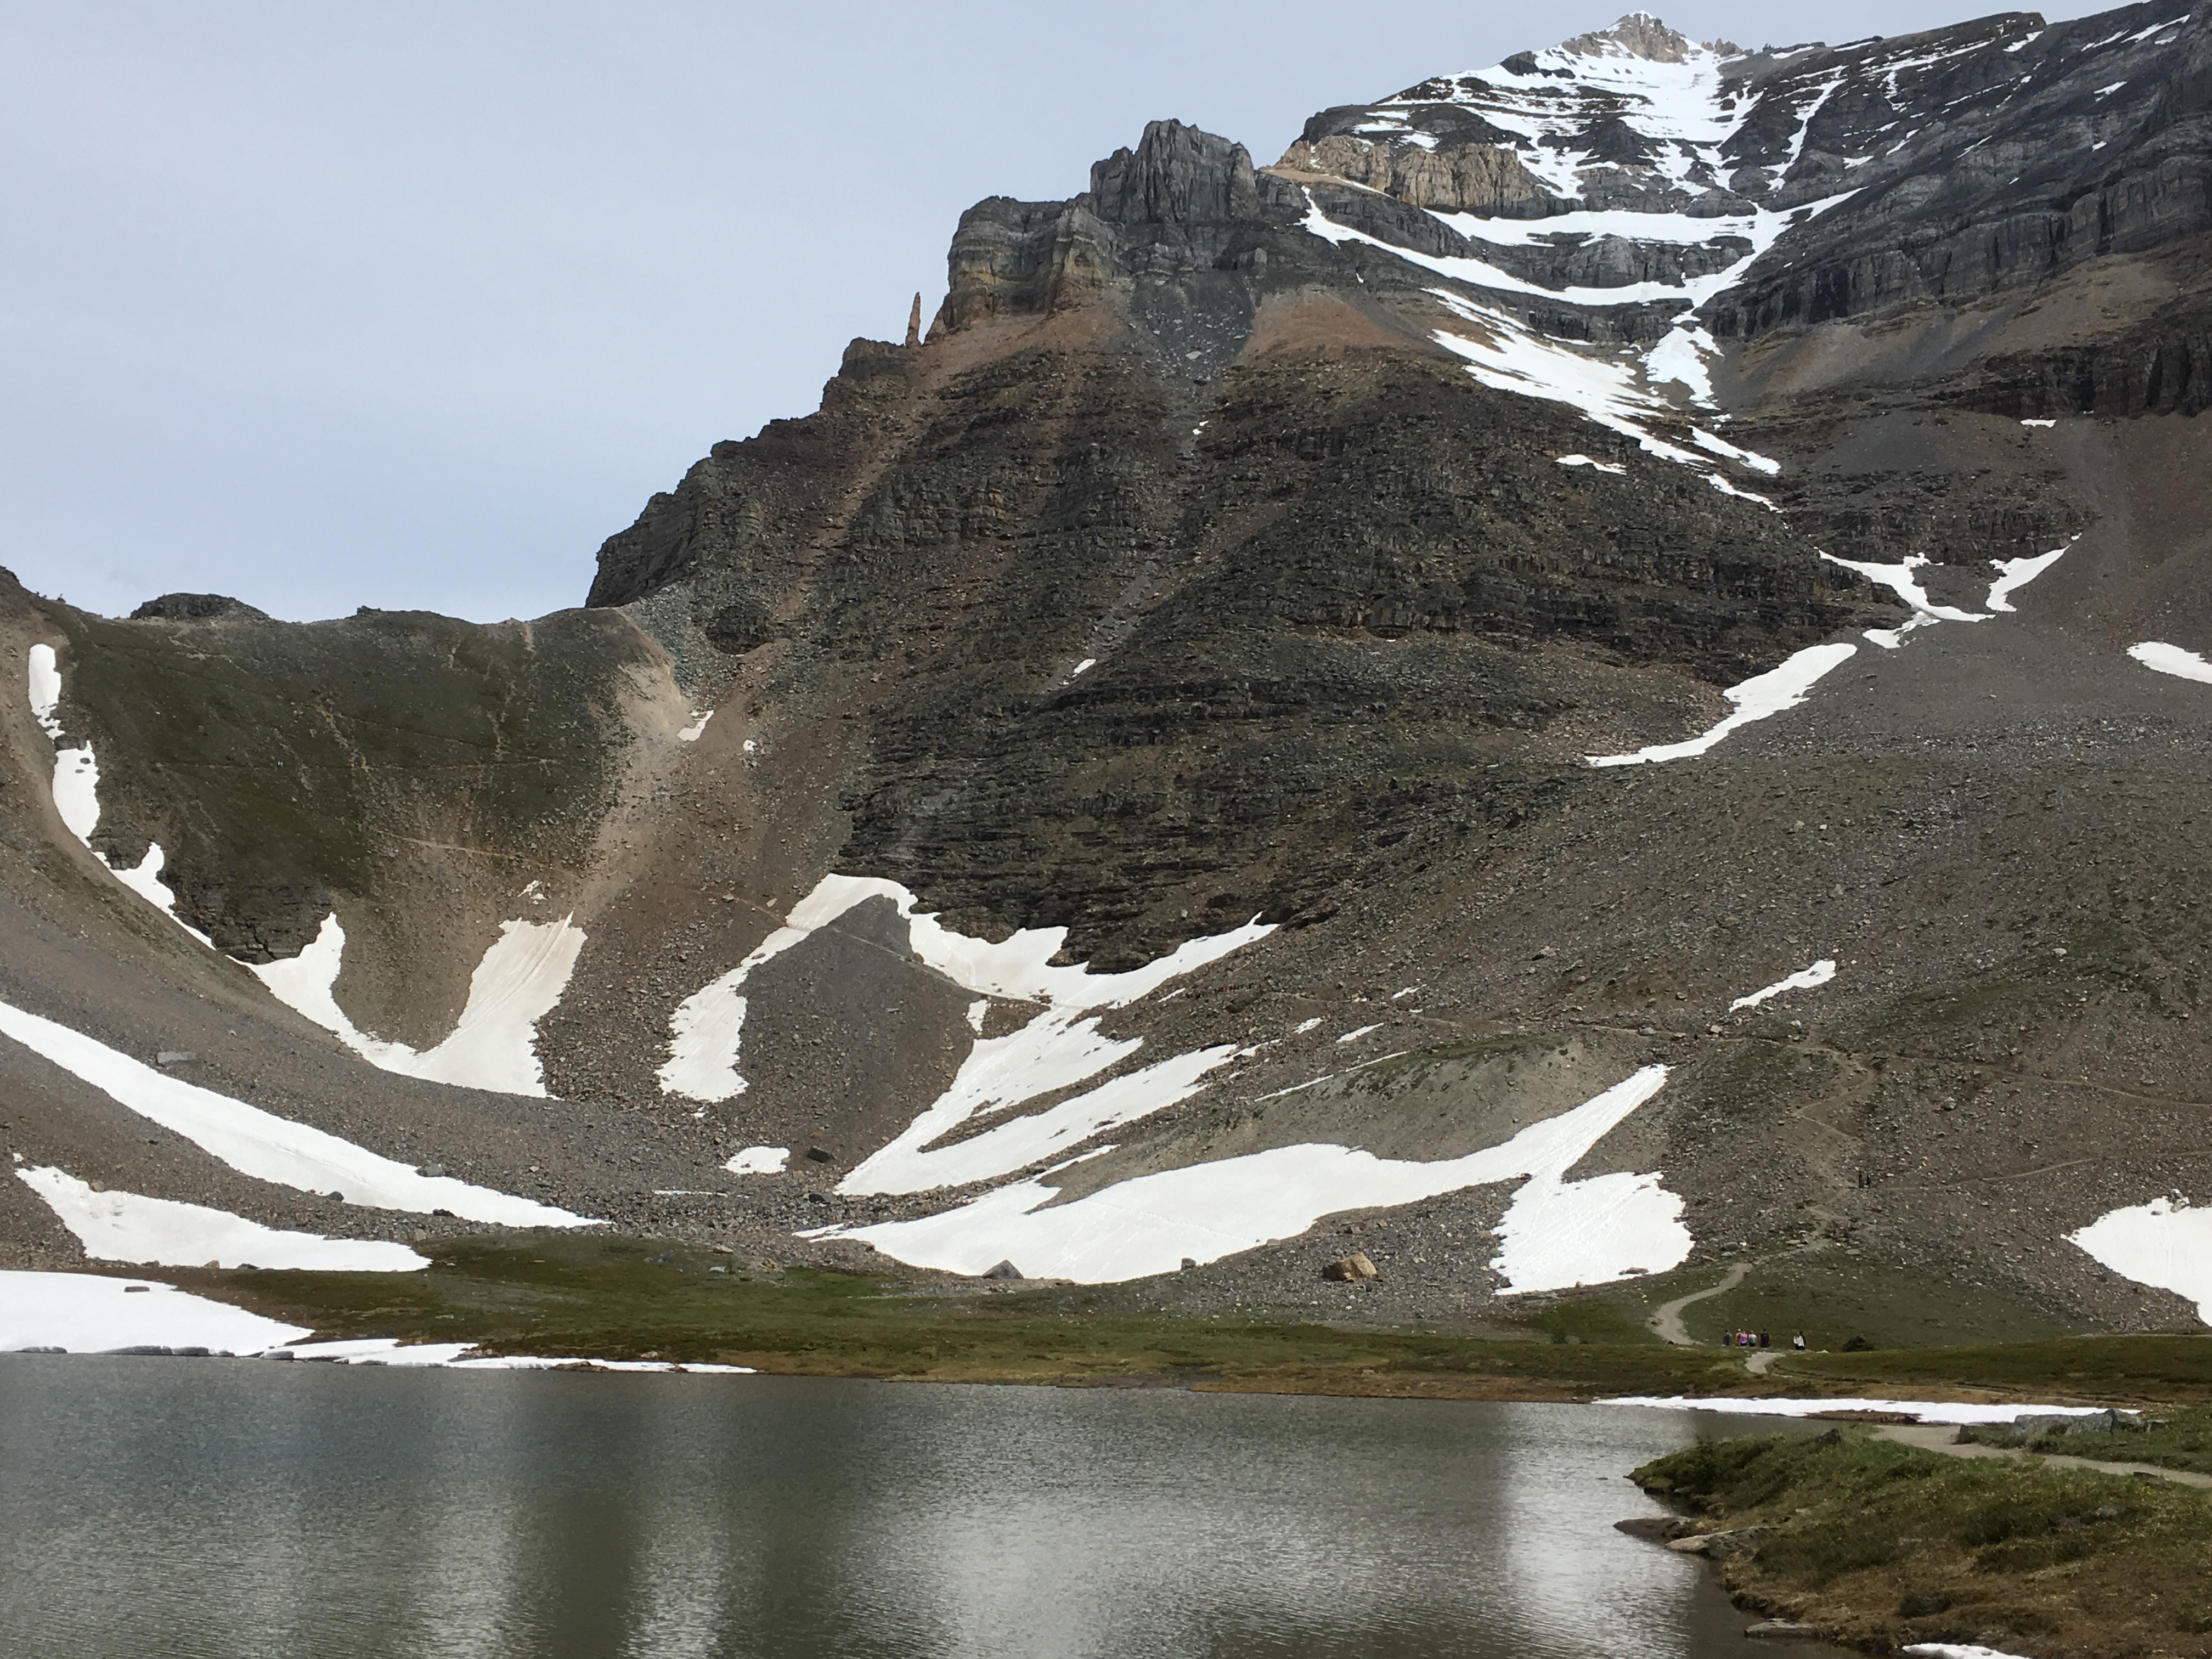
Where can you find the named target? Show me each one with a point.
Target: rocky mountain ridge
(1584, 615)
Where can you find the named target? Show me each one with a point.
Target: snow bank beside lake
(265, 1146)
(492, 1047)
(1927, 1410)
(1556, 1233)
(116, 1226)
(89, 1313)
(2162, 1244)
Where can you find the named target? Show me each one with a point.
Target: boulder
(1662, 1529)
(1004, 1270)
(1351, 1268)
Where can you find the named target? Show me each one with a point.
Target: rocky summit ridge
(1589, 673)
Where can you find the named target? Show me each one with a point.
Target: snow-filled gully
(517, 982)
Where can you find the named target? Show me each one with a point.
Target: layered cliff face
(1560, 653)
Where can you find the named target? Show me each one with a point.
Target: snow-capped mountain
(1601, 666)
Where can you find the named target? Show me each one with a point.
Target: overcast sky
(406, 305)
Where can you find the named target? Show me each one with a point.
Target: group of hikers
(1758, 1340)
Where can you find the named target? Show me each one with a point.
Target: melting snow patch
(1927, 1410)
(759, 1160)
(1510, 356)
(263, 1145)
(77, 795)
(2016, 573)
(2161, 1243)
(1956, 1649)
(1354, 1037)
(2041, 423)
(1803, 980)
(461, 1357)
(691, 733)
(116, 1226)
(89, 1313)
(1305, 1026)
(1083, 667)
(1556, 1233)
(1755, 700)
(1057, 1049)
(1583, 460)
(493, 1047)
(2171, 660)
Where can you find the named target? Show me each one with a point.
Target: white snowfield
(77, 795)
(1803, 980)
(1507, 355)
(116, 1226)
(2171, 660)
(2016, 573)
(1060, 1048)
(1557, 1233)
(463, 1357)
(1927, 1410)
(494, 1044)
(265, 1146)
(2164, 1244)
(759, 1160)
(1956, 1649)
(1755, 699)
(90, 1313)
(87, 1313)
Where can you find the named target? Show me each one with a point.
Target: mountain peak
(1638, 35)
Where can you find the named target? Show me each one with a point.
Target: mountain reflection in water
(205, 1509)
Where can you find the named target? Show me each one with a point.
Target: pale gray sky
(411, 305)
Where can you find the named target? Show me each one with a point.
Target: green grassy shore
(626, 1299)
(1879, 1545)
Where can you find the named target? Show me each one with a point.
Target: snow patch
(2040, 423)
(462, 1357)
(759, 1160)
(1755, 699)
(77, 795)
(1584, 460)
(495, 1045)
(2171, 660)
(263, 1145)
(1803, 980)
(115, 1226)
(90, 1313)
(1056, 1050)
(2162, 1244)
(2016, 573)
(691, 733)
(1927, 1410)
(1555, 1234)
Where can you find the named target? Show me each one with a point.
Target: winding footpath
(1666, 1323)
(1938, 1437)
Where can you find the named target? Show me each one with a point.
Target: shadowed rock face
(1279, 542)
(195, 607)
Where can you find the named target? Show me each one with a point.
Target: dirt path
(1938, 1437)
(1668, 1320)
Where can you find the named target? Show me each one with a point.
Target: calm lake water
(181, 1509)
